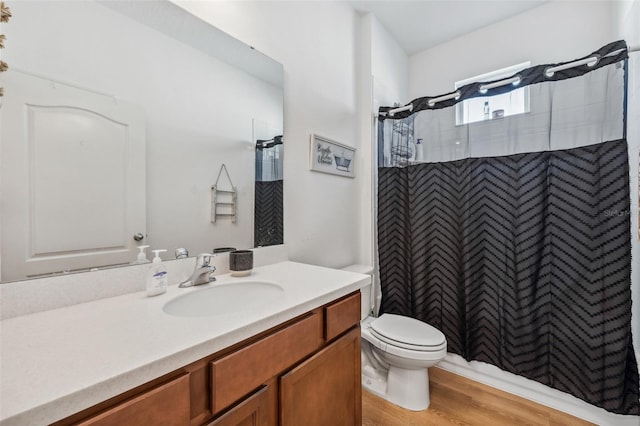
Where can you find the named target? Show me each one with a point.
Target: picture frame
(329, 156)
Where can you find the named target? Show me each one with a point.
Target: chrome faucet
(203, 272)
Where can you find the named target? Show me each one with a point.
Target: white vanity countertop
(58, 362)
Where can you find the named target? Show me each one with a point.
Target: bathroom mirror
(116, 120)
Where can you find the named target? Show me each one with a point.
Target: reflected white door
(72, 178)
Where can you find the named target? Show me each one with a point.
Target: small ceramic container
(240, 262)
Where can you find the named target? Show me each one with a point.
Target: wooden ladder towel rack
(224, 202)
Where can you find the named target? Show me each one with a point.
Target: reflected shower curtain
(268, 207)
(513, 235)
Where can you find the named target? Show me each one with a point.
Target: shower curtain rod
(549, 72)
(268, 143)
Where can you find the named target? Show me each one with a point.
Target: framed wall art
(328, 156)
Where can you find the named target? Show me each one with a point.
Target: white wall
(199, 110)
(383, 79)
(317, 44)
(390, 67)
(556, 31)
(366, 178)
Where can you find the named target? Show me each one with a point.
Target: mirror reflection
(116, 120)
(268, 190)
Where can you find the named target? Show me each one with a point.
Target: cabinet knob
(138, 237)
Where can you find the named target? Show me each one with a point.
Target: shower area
(268, 207)
(512, 233)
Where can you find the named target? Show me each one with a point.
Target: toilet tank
(366, 303)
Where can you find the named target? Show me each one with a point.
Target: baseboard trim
(533, 391)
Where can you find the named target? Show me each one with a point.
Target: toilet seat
(407, 333)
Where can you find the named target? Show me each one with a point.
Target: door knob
(138, 237)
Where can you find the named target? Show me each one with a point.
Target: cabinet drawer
(168, 404)
(239, 373)
(341, 315)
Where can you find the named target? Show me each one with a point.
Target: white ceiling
(419, 25)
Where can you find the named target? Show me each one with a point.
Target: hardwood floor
(456, 400)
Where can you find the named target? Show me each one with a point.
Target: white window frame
(490, 76)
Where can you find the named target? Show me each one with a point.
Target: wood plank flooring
(456, 400)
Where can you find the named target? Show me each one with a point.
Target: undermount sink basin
(223, 299)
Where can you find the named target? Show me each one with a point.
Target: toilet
(397, 352)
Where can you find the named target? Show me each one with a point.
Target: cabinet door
(253, 411)
(325, 390)
(165, 405)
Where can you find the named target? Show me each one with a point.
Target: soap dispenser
(142, 256)
(157, 276)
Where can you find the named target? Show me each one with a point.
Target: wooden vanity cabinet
(303, 372)
(317, 373)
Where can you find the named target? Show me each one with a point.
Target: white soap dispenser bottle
(142, 256)
(157, 276)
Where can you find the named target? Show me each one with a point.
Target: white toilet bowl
(396, 352)
(401, 349)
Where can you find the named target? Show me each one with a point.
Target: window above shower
(493, 107)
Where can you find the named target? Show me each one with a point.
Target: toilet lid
(407, 331)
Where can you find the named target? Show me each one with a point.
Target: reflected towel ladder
(226, 206)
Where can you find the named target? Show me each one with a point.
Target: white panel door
(72, 178)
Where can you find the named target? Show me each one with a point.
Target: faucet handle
(203, 259)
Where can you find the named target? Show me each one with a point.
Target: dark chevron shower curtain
(268, 196)
(513, 236)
